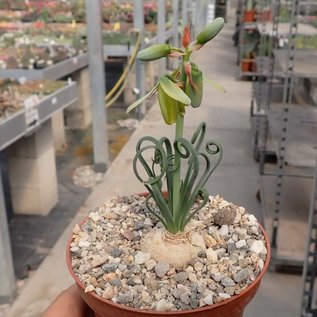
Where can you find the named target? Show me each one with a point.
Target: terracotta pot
(246, 65)
(249, 15)
(232, 307)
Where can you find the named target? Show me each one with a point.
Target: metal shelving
(17, 125)
(285, 127)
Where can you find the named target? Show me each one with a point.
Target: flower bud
(154, 52)
(210, 31)
(186, 37)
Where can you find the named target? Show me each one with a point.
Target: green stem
(177, 160)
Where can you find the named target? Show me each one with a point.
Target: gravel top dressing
(223, 248)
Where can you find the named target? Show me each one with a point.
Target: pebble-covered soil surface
(107, 258)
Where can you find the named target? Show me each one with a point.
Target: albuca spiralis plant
(183, 87)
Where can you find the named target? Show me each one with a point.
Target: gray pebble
(125, 298)
(184, 298)
(110, 267)
(227, 281)
(161, 268)
(242, 275)
(202, 254)
(116, 252)
(181, 277)
(115, 282)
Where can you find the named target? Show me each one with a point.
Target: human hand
(69, 303)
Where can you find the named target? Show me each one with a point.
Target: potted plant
(249, 14)
(174, 250)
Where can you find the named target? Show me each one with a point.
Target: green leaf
(142, 99)
(214, 84)
(172, 90)
(168, 106)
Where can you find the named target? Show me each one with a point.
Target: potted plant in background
(175, 249)
(249, 14)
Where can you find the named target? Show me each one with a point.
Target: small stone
(145, 297)
(161, 268)
(257, 246)
(151, 284)
(89, 288)
(108, 293)
(97, 261)
(182, 288)
(241, 232)
(76, 229)
(110, 267)
(212, 256)
(198, 266)
(210, 241)
(208, 299)
(164, 305)
(184, 298)
(213, 231)
(252, 220)
(224, 230)
(150, 264)
(138, 225)
(225, 216)
(148, 222)
(125, 298)
(230, 290)
(242, 275)
(115, 282)
(110, 215)
(224, 296)
(198, 241)
(141, 257)
(240, 244)
(109, 276)
(260, 264)
(181, 277)
(94, 216)
(116, 252)
(202, 254)
(227, 282)
(128, 234)
(84, 244)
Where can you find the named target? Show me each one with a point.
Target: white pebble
(89, 288)
(141, 257)
(84, 244)
(164, 305)
(198, 241)
(224, 230)
(252, 220)
(240, 244)
(212, 256)
(94, 216)
(208, 299)
(224, 295)
(257, 246)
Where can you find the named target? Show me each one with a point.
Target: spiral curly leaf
(192, 196)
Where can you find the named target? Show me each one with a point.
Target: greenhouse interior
(179, 138)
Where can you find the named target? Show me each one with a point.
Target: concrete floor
(227, 117)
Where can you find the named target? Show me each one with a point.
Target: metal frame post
(175, 23)
(7, 276)
(184, 13)
(138, 23)
(97, 84)
(161, 36)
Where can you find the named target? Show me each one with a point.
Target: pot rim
(187, 311)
